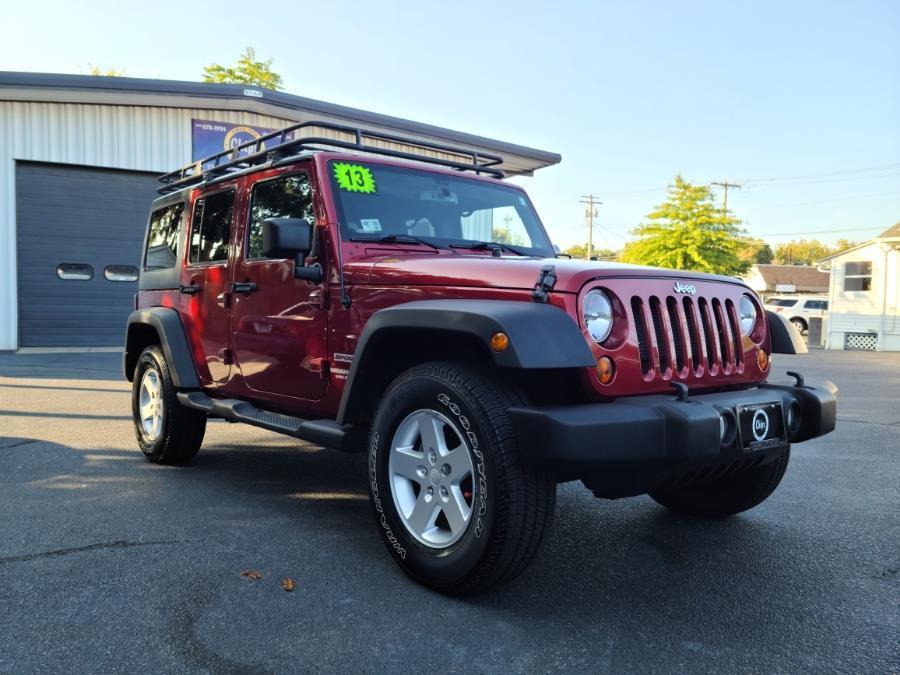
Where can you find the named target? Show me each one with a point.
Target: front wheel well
(393, 351)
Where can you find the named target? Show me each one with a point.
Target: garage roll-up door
(79, 234)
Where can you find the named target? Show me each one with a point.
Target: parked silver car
(799, 308)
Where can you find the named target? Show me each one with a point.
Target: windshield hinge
(545, 283)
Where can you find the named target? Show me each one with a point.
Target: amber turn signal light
(605, 369)
(762, 359)
(499, 342)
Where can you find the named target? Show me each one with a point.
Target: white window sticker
(370, 224)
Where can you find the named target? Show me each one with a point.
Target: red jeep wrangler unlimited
(415, 310)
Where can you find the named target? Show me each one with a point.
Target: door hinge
(545, 282)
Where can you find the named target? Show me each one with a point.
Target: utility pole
(590, 213)
(724, 184)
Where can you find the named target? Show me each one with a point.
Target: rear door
(279, 323)
(206, 283)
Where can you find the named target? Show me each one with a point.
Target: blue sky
(629, 93)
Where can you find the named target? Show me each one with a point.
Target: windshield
(376, 201)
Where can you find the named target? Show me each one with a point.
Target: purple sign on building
(209, 137)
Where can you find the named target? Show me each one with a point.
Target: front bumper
(635, 445)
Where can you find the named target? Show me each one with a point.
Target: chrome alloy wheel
(150, 405)
(432, 478)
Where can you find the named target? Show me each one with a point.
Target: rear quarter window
(162, 242)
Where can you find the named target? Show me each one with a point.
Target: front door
(279, 324)
(206, 285)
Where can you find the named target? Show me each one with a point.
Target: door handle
(243, 287)
(189, 289)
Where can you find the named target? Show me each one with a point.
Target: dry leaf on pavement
(251, 574)
(288, 584)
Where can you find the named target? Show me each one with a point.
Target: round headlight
(598, 314)
(747, 314)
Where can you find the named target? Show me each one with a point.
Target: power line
(870, 169)
(847, 230)
(829, 201)
(824, 181)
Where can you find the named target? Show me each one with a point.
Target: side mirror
(291, 237)
(286, 237)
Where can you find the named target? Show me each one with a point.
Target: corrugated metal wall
(123, 137)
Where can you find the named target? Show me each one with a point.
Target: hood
(486, 271)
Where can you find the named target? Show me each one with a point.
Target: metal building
(79, 157)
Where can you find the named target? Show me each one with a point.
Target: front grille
(659, 330)
(705, 336)
(640, 326)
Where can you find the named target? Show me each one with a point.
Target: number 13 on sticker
(354, 177)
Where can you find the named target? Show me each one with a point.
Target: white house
(865, 295)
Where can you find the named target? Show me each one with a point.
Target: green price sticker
(354, 178)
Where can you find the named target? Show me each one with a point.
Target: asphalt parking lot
(109, 563)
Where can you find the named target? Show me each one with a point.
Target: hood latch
(545, 283)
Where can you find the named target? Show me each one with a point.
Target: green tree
(247, 70)
(801, 252)
(503, 235)
(689, 231)
(843, 245)
(105, 72)
(580, 251)
(755, 252)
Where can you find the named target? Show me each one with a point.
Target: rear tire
(799, 324)
(726, 496)
(467, 514)
(166, 431)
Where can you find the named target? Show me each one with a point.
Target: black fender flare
(172, 340)
(540, 336)
(785, 338)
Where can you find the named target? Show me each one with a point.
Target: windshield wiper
(398, 239)
(489, 246)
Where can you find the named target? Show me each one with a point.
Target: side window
(163, 239)
(784, 302)
(501, 224)
(212, 227)
(285, 197)
(858, 276)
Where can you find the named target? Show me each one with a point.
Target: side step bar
(321, 432)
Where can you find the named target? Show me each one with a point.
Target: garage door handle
(189, 289)
(243, 287)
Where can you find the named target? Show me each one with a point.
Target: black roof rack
(290, 140)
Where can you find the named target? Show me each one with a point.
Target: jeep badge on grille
(685, 288)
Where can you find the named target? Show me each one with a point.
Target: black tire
(726, 496)
(800, 324)
(512, 505)
(182, 428)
